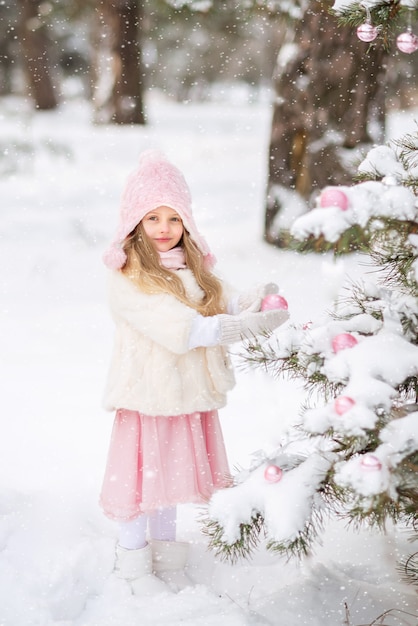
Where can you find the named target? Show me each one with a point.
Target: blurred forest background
(330, 93)
(52, 51)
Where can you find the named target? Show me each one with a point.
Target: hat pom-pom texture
(115, 257)
(209, 261)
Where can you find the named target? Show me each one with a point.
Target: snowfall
(60, 182)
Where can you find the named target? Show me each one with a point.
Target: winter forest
(295, 124)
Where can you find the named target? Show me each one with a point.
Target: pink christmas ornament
(343, 404)
(273, 473)
(332, 196)
(367, 32)
(407, 42)
(274, 301)
(370, 462)
(343, 341)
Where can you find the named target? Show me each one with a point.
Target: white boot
(135, 566)
(169, 559)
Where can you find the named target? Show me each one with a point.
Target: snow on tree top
(367, 201)
(382, 160)
(284, 505)
(368, 360)
(399, 439)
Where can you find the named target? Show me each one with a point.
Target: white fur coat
(152, 370)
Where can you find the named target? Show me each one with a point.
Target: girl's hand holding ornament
(252, 300)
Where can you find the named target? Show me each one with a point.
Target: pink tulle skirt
(157, 462)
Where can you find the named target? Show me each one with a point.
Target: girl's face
(164, 228)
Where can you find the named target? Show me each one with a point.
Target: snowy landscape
(60, 181)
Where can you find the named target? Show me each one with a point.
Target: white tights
(162, 526)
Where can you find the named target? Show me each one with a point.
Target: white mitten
(244, 326)
(251, 300)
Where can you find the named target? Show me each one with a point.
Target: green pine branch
(408, 568)
(394, 255)
(357, 302)
(296, 365)
(354, 239)
(387, 16)
(304, 541)
(408, 145)
(243, 547)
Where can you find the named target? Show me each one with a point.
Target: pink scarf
(173, 259)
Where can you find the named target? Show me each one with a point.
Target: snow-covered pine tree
(355, 452)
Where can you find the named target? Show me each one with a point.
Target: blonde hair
(143, 267)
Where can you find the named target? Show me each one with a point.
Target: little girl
(169, 373)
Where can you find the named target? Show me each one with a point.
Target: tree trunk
(119, 90)
(35, 45)
(330, 96)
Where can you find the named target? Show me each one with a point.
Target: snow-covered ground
(58, 212)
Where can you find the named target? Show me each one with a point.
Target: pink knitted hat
(155, 182)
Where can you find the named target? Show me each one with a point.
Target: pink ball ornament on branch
(367, 32)
(273, 473)
(370, 462)
(332, 196)
(343, 404)
(407, 42)
(343, 341)
(274, 301)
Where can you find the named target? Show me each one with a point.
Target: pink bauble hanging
(273, 473)
(407, 42)
(343, 341)
(332, 196)
(343, 404)
(371, 462)
(367, 32)
(274, 301)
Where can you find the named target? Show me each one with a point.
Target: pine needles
(243, 547)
